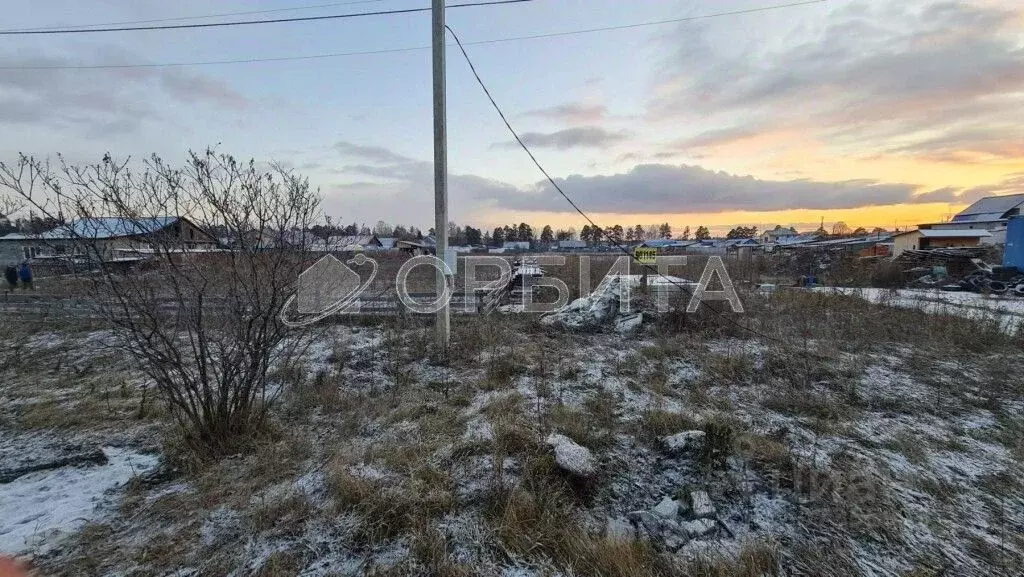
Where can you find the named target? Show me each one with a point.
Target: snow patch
(39, 509)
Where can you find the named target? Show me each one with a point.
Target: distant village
(982, 224)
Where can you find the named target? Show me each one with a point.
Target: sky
(872, 112)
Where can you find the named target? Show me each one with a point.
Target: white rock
(702, 506)
(645, 520)
(685, 441)
(698, 528)
(674, 542)
(571, 457)
(668, 508)
(619, 529)
(578, 305)
(628, 323)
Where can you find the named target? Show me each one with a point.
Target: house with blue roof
(111, 238)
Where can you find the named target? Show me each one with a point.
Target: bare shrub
(202, 324)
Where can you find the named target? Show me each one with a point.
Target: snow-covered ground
(1007, 311)
(39, 509)
(884, 459)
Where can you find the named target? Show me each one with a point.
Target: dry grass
(657, 423)
(282, 517)
(537, 519)
(388, 507)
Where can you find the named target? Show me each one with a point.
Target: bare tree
(201, 319)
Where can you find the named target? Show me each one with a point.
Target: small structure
(387, 242)
(928, 238)
(414, 248)
(352, 243)
(107, 238)
(516, 245)
(571, 245)
(666, 243)
(777, 234)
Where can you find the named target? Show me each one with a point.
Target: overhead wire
(250, 22)
(611, 240)
(409, 48)
(203, 17)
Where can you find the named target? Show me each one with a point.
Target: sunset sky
(874, 112)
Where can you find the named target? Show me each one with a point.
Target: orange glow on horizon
(804, 220)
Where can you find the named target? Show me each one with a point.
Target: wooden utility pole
(440, 169)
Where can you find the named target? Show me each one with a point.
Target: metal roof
(665, 243)
(955, 233)
(100, 228)
(990, 208)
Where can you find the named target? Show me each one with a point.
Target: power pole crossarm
(440, 167)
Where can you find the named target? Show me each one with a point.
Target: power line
(551, 181)
(216, 62)
(248, 22)
(406, 49)
(649, 23)
(181, 18)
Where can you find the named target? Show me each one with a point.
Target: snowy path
(39, 509)
(1009, 312)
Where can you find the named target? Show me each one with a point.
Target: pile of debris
(676, 519)
(979, 277)
(618, 302)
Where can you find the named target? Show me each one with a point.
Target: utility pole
(440, 169)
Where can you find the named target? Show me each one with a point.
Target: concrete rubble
(571, 457)
(668, 508)
(671, 523)
(701, 504)
(605, 306)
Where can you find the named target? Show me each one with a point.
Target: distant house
(925, 239)
(666, 243)
(415, 248)
(387, 242)
(298, 239)
(350, 243)
(513, 245)
(991, 213)
(571, 244)
(777, 234)
(108, 238)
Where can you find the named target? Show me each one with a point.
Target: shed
(929, 238)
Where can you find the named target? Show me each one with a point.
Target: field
(840, 437)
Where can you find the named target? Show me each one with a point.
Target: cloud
(98, 102)
(579, 137)
(376, 154)
(686, 188)
(572, 113)
(194, 88)
(917, 78)
(647, 188)
(1012, 184)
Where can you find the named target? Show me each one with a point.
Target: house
(387, 242)
(513, 245)
(777, 234)
(415, 248)
(666, 243)
(108, 238)
(351, 243)
(929, 238)
(571, 244)
(991, 213)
